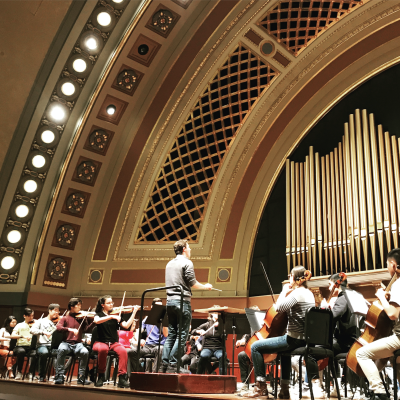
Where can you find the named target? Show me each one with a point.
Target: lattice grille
(179, 197)
(296, 23)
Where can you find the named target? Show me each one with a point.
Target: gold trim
(305, 131)
(82, 122)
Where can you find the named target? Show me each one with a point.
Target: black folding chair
(56, 339)
(13, 343)
(318, 332)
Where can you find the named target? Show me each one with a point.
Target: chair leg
(394, 379)
(300, 377)
(116, 365)
(277, 362)
(334, 377)
(345, 377)
(384, 384)
(309, 379)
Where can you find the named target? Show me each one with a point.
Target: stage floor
(24, 390)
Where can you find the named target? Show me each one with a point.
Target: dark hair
(298, 273)
(180, 245)
(73, 301)
(28, 311)
(336, 277)
(395, 256)
(7, 323)
(101, 301)
(52, 306)
(156, 300)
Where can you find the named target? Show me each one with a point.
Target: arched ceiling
(114, 179)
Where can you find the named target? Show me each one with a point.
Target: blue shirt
(154, 336)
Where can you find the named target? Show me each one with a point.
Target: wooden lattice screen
(296, 23)
(179, 197)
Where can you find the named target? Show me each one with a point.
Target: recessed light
(68, 88)
(8, 262)
(117, 1)
(143, 49)
(111, 109)
(91, 43)
(79, 65)
(30, 186)
(38, 161)
(104, 18)
(22, 211)
(47, 136)
(57, 113)
(14, 236)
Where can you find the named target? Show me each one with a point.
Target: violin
(87, 314)
(126, 309)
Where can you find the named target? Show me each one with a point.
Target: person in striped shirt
(295, 302)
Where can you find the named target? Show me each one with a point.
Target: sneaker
(123, 381)
(100, 380)
(83, 381)
(59, 380)
(242, 386)
(172, 370)
(334, 393)
(18, 377)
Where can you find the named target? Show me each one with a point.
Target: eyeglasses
(109, 303)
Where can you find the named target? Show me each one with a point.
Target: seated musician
(383, 348)
(148, 344)
(44, 328)
(23, 335)
(295, 302)
(107, 331)
(212, 343)
(5, 339)
(192, 355)
(74, 328)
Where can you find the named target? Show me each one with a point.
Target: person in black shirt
(107, 331)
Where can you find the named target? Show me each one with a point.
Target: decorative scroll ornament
(127, 79)
(98, 139)
(57, 268)
(75, 203)
(86, 171)
(162, 20)
(65, 235)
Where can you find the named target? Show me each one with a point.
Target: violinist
(383, 348)
(74, 328)
(23, 335)
(44, 328)
(295, 299)
(5, 339)
(107, 330)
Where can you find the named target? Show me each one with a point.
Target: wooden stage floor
(25, 390)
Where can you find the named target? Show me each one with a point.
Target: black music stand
(158, 316)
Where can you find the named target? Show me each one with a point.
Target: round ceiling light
(91, 43)
(79, 65)
(48, 136)
(68, 88)
(57, 113)
(104, 19)
(38, 161)
(7, 262)
(14, 236)
(30, 186)
(111, 109)
(117, 1)
(22, 211)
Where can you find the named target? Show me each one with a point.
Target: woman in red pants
(107, 330)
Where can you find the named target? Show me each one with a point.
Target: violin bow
(120, 310)
(269, 284)
(83, 320)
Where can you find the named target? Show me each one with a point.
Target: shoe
(172, 370)
(100, 380)
(42, 379)
(380, 396)
(284, 392)
(163, 368)
(59, 380)
(334, 393)
(83, 381)
(242, 389)
(18, 377)
(259, 389)
(123, 381)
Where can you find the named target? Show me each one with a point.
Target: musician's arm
(392, 309)
(286, 303)
(339, 308)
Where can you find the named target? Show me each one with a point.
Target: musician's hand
(117, 317)
(324, 304)
(208, 286)
(202, 332)
(48, 334)
(380, 294)
(240, 342)
(142, 342)
(135, 309)
(74, 331)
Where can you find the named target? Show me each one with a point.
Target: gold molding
(79, 129)
(229, 280)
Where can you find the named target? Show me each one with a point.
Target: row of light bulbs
(57, 113)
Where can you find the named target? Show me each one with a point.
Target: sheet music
(256, 319)
(357, 303)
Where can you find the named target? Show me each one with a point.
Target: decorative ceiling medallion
(57, 271)
(224, 274)
(65, 235)
(75, 203)
(296, 23)
(127, 80)
(98, 141)
(163, 21)
(179, 197)
(144, 50)
(86, 171)
(96, 276)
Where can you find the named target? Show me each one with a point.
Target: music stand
(158, 316)
(255, 318)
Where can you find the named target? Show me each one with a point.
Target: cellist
(383, 348)
(295, 299)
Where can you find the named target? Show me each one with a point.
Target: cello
(377, 326)
(274, 323)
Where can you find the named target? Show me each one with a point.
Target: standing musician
(44, 328)
(383, 348)
(295, 302)
(179, 271)
(74, 328)
(5, 339)
(107, 330)
(24, 336)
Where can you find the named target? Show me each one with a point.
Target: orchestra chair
(318, 330)
(30, 356)
(56, 339)
(214, 360)
(13, 343)
(342, 358)
(395, 355)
